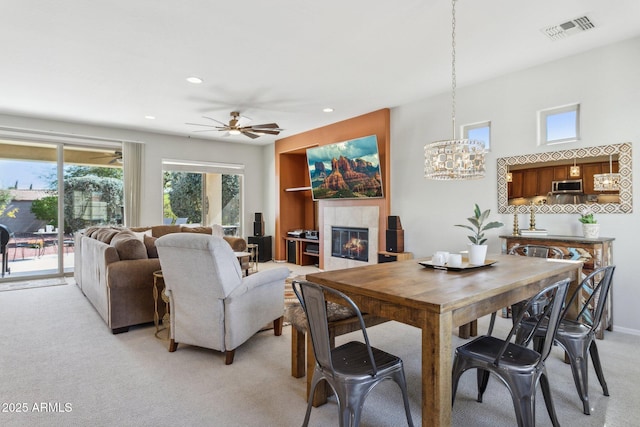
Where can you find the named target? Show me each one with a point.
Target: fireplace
(350, 243)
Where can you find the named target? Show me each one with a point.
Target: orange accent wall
(296, 209)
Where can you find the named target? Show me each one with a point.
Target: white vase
(477, 254)
(591, 231)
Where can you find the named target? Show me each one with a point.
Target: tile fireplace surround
(362, 217)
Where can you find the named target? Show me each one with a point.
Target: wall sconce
(509, 177)
(574, 171)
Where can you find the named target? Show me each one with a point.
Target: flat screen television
(345, 170)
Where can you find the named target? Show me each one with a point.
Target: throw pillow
(128, 246)
(150, 244)
(141, 235)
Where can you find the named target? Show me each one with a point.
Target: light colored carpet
(59, 355)
(31, 284)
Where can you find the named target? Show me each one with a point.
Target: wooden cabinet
(302, 251)
(530, 183)
(594, 253)
(560, 173)
(545, 178)
(515, 186)
(587, 177)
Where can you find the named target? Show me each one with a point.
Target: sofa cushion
(128, 246)
(105, 234)
(150, 244)
(161, 230)
(202, 230)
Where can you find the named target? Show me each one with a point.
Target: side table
(158, 280)
(252, 248)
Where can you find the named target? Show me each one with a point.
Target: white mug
(454, 260)
(439, 258)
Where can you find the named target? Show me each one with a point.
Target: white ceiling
(111, 62)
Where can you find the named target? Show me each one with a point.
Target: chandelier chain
(453, 67)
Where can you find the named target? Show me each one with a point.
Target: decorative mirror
(549, 169)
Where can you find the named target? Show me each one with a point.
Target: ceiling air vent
(560, 31)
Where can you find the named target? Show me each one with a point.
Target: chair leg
(314, 382)
(173, 346)
(401, 380)
(483, 380)
(546, 393)
(580, 371)
(229, 356)
(523, 394)
(595, 357)
(277, 326)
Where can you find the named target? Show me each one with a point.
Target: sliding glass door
(47, 192)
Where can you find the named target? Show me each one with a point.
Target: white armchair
(211, 304)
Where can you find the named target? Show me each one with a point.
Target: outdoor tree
(5, 199)
(46, 209)
(185, 195)
(230, 199)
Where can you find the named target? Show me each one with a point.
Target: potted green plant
(590, 226)
(478, 249)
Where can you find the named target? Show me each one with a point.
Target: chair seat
(486, 348)
(352, 358)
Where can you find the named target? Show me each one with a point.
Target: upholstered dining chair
(353, 369)
(519, 368)
(211, 305)
(576, 334)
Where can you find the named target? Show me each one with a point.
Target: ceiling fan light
(195, 80)
(234, 132)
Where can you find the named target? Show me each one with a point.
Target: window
(559, 125)
(480, 132)
(203, 193)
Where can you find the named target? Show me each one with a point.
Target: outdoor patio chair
(352, 369)
(181, 220)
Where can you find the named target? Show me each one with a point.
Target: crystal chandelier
(606, 181)
(454, 159)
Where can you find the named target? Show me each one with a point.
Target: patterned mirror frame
(624, 168)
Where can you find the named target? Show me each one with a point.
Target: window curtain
(132, 156)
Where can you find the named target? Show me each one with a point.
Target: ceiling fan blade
(266, 131)
(250, 135)
(217, 121)
(266, 125)
(200, 124)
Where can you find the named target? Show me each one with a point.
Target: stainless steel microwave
(567, 186)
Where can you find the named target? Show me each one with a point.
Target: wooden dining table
(437, 301)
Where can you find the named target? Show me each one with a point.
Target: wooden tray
(465, 265)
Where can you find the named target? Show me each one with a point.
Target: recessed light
(194, 80)
(150, 117)
(328, 110)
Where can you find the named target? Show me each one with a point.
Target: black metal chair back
(352, 369)
(521, 369)
(576, 334)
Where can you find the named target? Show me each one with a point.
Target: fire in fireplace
(350, 242)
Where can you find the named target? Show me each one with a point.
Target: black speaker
(395, 241)
(264, 247)
(291, 252)
(393, 223)
(258, 217)
(258, 228)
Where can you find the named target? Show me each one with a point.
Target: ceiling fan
(116, 157)
(234, 127)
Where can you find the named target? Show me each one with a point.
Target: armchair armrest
(261, 278)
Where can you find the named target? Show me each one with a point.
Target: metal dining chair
(576, 334)
(519, 368)
(353, 369)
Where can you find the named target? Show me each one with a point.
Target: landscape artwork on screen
(345, 170)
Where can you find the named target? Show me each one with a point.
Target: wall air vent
(574, 26)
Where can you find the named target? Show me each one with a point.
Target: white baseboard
(626, 330)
